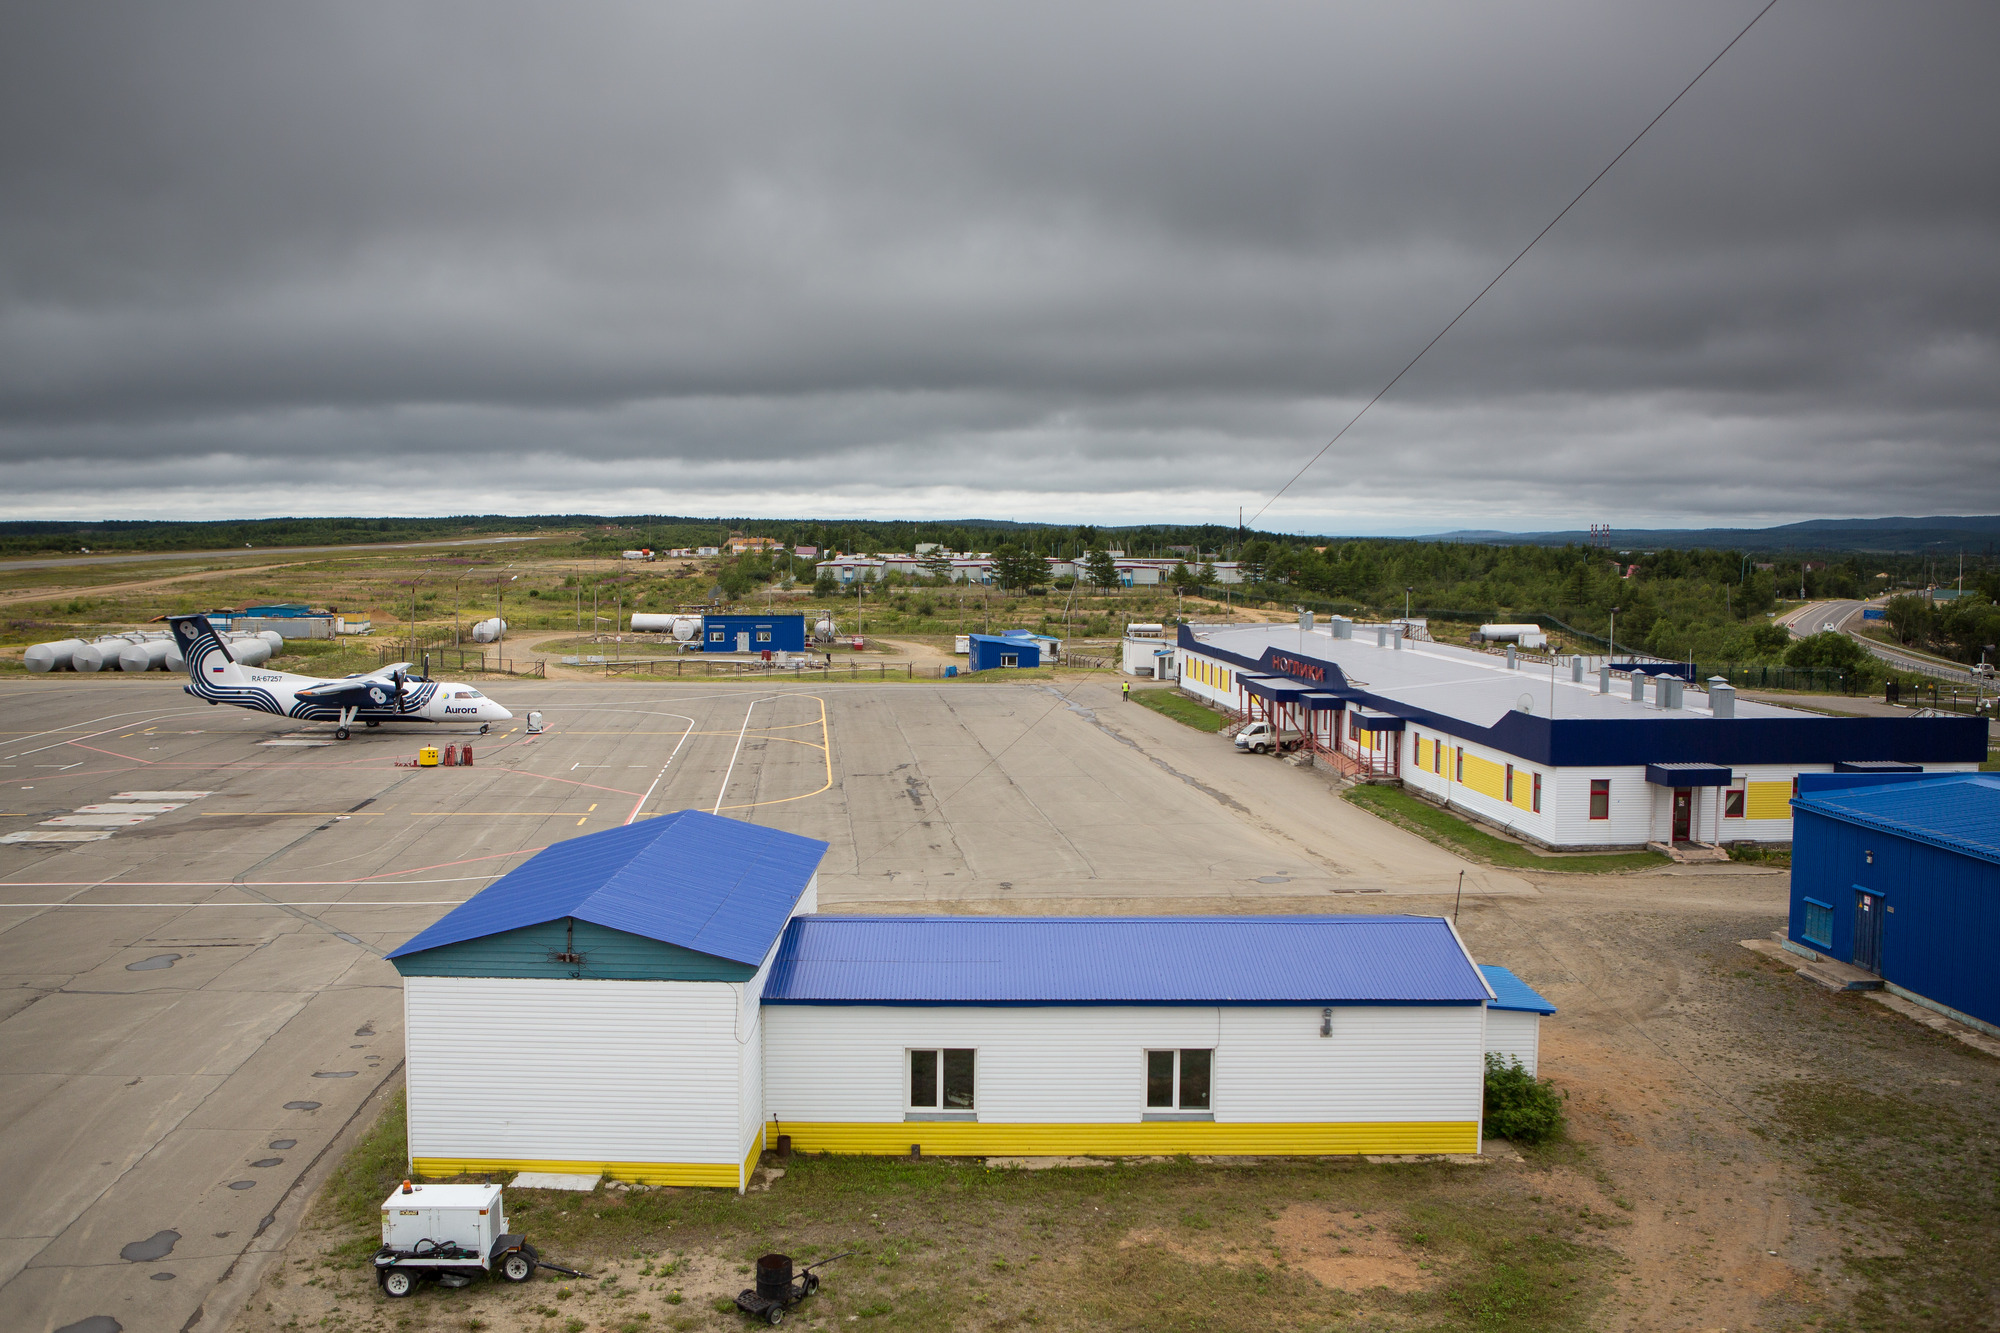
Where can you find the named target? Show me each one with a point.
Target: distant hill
(1907, 535)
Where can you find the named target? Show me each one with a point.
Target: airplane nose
(505, 716)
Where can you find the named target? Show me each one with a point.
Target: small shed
(988, 651)
(1902, 879)
(597, 1009)
(1514, 1018)
(1054, 1035)
(732, 633)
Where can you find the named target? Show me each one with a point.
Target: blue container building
(1899, 874)
(753, 634)
(987, 651)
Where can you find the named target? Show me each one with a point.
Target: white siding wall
(1513, 1035)
(1056, 1065)
(608, 1071)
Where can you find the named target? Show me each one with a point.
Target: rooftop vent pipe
(1510, 657)
(1721, 697)
(1638, 687)
(1668, 690)
(1576, 670)
(1342, 627)
(1604, 679)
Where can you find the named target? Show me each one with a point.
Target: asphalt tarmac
(194, 1003)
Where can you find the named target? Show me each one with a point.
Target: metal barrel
(774, 1276)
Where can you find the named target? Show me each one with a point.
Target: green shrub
(1520, 1106)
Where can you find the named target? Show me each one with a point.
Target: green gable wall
(608, 955)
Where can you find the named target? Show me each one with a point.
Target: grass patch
(1928, 1175)
(1992, 764)
(1755, 854)
(948, 1243)
(1448, 830)
(1174, 704)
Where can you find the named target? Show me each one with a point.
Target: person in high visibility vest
(1125, 688)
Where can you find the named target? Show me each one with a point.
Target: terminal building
(655, 1002)
(1624, 756)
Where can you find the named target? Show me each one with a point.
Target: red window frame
(1538, 793)
(1600, 798)
(1508, 787)
(1458, 768)
(1732, 803)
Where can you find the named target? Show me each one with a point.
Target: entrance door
(1683, 814)
(743, 641)
(1868, 916)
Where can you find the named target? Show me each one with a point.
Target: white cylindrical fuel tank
(90, 657)
(486, 631)
(687, 628)
(52, 656)
(823, 628)
(144, 656)
(174, 660)
(250, 650)
(272, 637)
(649, 622)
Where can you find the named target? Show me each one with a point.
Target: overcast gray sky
(1070, 261)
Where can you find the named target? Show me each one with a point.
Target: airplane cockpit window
(470, 694)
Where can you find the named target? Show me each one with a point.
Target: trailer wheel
(775, 1315)
(398, 1282)
(517, 1267)
(812, 1283)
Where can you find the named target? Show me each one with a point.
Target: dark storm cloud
(1112, 261)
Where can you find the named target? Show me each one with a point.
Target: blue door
(1868, 914)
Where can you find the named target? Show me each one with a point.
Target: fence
(701, 669)
(457, 660)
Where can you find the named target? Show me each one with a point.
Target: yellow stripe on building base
(970, 1138)
(724, 1175)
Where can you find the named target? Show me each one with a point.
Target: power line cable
(1516, 259)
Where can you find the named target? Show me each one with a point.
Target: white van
(1261, 738)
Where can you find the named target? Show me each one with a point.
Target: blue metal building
(1902, 878)
(987, 651)
(753, 634)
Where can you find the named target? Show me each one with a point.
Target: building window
(1732, 803)
(1010, 659)
(941, 1080)
(1538, 793)
(1509, 788)
(763, 636)
(1819, 923)
(1458, 765)
(715, 636)
(1178, 1080)
(1600, 798)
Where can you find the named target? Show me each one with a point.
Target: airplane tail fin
(209, 662)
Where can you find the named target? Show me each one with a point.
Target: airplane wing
(375, 689)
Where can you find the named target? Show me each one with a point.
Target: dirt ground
(1710, 1202)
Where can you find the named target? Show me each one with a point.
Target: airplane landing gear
(373, 723)
(485, 727)
(340, 732)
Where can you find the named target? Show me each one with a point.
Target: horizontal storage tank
(683, 628)
(824, 628)
(1528, 636)
(52, 656)
(90, 656)
(487, 631)
(250, 650)
(174, 660)
(272, 637)
(148, 656)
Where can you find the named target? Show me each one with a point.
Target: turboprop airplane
(372, 697)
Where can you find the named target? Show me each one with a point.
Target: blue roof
(1122, 960)
(1513, 992)
(1957, 811)
(717, 886)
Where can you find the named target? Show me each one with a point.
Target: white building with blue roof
(1556, 755)
(652, 1002)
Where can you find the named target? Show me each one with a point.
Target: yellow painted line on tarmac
(825, 747)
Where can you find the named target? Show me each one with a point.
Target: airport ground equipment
(451, 1235)
(775, 1291)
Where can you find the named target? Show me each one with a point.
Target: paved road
(58, 562)
(1845, 617)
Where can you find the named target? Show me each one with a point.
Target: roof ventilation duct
(1721, 697)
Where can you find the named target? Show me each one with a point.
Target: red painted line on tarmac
(113, 753)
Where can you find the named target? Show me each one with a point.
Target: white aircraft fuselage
(388, 695)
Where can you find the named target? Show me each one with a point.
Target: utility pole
(1611, 638)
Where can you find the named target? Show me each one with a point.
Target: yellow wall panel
(1768, 800)
(723, 1174)
(1524, 789)
(968, 1138)
(1486, 777)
